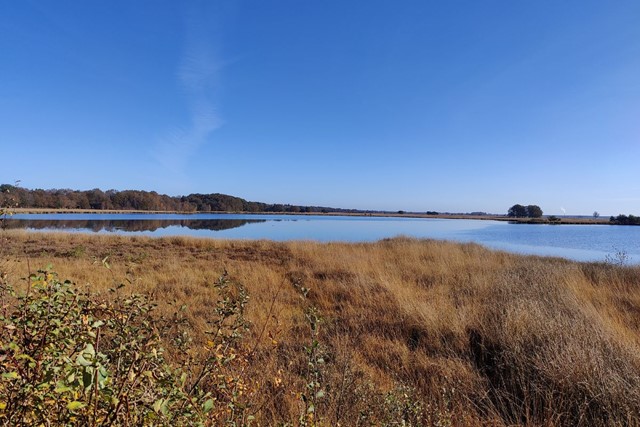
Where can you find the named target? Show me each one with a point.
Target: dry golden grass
(449, 334)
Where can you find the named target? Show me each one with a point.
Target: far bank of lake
(582, 242)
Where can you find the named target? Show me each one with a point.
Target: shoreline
(543, 220)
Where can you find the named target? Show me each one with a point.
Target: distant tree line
(521, 211)
(625, 220)
(12, 195)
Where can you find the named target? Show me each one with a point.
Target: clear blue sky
(413, 105)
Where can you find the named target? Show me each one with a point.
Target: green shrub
(73, 358)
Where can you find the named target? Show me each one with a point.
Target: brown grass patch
(444, 333)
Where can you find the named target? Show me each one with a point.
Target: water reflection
(579, 242)
(128, 225)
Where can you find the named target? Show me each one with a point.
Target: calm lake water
(579, 242)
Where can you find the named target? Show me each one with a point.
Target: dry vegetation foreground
(400, 331)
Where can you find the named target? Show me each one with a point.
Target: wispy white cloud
(198, 76)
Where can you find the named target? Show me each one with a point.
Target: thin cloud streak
(198, 76)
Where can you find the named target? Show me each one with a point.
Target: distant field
(432, 332)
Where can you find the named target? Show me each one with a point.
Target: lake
(578, 242)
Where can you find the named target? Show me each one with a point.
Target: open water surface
(578, 242)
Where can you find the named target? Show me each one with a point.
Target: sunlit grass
(468, 335)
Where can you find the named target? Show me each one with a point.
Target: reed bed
(416, 331)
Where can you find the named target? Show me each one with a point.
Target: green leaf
(208, 406)
(80, 360)
(87, 355)
(183, 379)
(97, 324)
(89, 350)
(157, 405)
(11, 375)
(165, 407)
(75, 405)
(103, 375)
(61, 387)
(87, 378)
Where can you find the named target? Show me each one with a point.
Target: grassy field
(429, 332)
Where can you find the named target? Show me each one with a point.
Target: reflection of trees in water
(129, 225)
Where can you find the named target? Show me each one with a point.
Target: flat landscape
(310, 214)
(488, 217)
(397, 332)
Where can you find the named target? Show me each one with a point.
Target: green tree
(520, 211)
(517, 211)
(534, 211)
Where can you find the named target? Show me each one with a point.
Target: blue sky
(415, 105)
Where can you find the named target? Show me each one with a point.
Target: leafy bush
(73, 358)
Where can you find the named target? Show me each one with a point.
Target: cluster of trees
(521, 211)
(11, 195)
(222, 202)
(625, 220)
